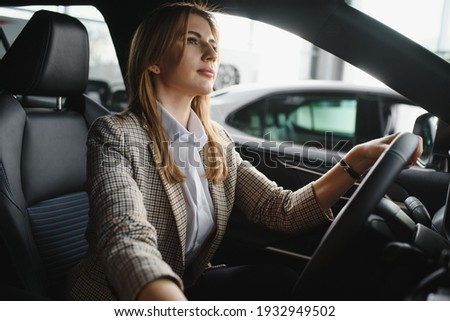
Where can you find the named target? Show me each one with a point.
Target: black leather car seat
(43, 206)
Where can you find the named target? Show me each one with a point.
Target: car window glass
(297, 118)
(337, 115)
(248, 119)
(405, 116)
(426, 22)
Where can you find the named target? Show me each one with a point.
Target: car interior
(391, 236)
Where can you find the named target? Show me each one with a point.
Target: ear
(154, 69)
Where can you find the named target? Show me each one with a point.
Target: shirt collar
(176, 132)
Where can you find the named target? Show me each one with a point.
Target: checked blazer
(137, 224)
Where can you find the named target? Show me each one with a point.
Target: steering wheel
(311, 284)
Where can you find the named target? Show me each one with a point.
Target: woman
(163, 178)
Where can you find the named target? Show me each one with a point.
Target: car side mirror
(426, 126)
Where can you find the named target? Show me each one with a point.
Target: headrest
(50, 57)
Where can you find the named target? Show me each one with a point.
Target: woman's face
(196, 71)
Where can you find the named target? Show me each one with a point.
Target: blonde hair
(156, 34)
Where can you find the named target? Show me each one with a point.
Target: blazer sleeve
(124, 239)
(264, 202)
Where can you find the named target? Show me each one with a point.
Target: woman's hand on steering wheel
(364, 155)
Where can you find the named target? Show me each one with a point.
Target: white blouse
(185, 145)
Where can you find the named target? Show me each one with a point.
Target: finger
(388, 139)
(417, 153)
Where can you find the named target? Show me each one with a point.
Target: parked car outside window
(324, 114)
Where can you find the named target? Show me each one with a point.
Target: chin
(205, 91)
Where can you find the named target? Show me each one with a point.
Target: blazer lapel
(177, 204)
(220, 207)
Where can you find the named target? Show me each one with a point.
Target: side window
(329, 115)
(248, 119)
(300, 118)
(306, 119)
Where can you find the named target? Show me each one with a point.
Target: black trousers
(244, 283)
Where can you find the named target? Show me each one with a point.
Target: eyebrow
(197, 34)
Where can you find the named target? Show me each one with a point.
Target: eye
(192, 41)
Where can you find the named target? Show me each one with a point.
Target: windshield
(423, 21)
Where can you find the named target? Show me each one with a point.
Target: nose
(210, 54)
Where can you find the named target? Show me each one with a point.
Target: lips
(208, 72)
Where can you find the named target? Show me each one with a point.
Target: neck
(180, 111)
(179, 106)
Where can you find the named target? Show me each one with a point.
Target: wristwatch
(349, 170)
